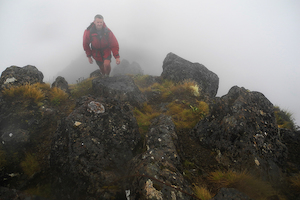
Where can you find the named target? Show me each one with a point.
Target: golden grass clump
(169, 89)
(58, 96)
(82, 89)
(30, 165)
(244, 182)
(186, 115)
(284, 118)
(295, 182)
(144, 116)
(187, 87)
(140, 80)
(202, 192)
(25, 92)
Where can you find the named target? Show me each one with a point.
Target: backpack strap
(92, 30)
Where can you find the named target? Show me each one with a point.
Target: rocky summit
(133, 136)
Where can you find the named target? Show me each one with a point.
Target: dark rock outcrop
(125, 68)
(61, 83)
(155, 172)
(92, 146)
(9, 194)
(243, 130)
(14, 76)
(230, 194)
(121, 88)
(178, 69)
(292, 141)
(96, 73)
(97, 151)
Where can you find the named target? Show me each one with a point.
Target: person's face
(98, 23)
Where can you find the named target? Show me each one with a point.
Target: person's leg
(107, 67)
(101, 67)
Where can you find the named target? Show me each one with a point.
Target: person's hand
(90, 60)
(118, 61)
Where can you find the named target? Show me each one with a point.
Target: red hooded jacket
(100, 48)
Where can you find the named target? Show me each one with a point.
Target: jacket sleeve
(114, 45)
(86, 43)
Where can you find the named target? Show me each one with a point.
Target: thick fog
(253, 44)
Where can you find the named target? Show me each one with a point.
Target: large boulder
(155, 173)
(61, 83)
(14, 76)
(242, 129)
(121, 88)
(92, 146)
(178, 69)
(126, 68)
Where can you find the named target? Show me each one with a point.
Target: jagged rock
(292, 141)
(155, 173)
(121, 88)
(61, 83)
(243, 131)
(14, 76)
(92, 146)
(9, 194)
(178, 69)
(125, 68)
(96, 73)
(230, 194)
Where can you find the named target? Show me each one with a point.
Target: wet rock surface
(97, 151)
(92, 147)
(243, 131)
(155, 173)
(13, 194)
(121, 88)
(14, 76)
(178, 69)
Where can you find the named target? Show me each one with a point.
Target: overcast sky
(249, 43)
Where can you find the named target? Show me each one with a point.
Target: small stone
(77, 123)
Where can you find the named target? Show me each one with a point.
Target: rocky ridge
(96, 150)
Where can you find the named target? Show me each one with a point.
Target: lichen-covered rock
(178, 69)
(155, 173)
(243, 130)
(121, 88)
(14, 76)
(92, 146)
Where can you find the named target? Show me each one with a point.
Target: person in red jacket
(98, 42)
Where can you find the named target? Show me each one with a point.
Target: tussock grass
(141, 81)
(144, 116)
(58, 96)
(295, 182)
(25, 92)
(284, 118)
(169, 89)
(244, 182)
(202, 192)
(82, 89)
(186, 115)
